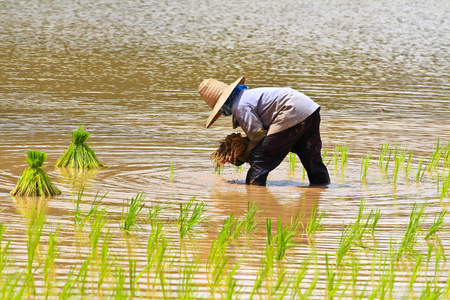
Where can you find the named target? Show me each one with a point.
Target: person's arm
(258, 136)
(253, 128)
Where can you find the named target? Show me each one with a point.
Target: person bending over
(276, 120)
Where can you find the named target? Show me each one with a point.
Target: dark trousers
(302, 139)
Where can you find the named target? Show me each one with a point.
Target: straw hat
(215, 93)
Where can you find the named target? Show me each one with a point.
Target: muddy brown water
(128, 72)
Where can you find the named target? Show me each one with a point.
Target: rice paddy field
(159, 222)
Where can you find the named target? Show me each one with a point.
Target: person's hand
(251, 144)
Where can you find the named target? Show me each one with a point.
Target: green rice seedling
(156, 239)
(429, 257)
(81, 220)
(155, 236)
(353, 282)
(119, 288)
(217, 257)
(391, 274)
(187, 288)
(435, 156)
(34, 181)
(365, 164)
(52, 250)
(314, 281)
(353, 233)
(4, 259)
(266, 269)
(345, 243)
(172, 169)
(375, 216)
(81, 278)
(219, 169)
(94, 209)
(279, 289)
(420, 170)
(231, 283)
(333, 280)
(78, 214)
(292, 162)
(433, 286)
(431, 292)
(438, 224)
(217, 266)
(344, 158)
(238, 169)
(337, 149)
(408, 164)
(414, 274)
(156, 250)
(444, 184)
(314, 221)
(438, 258)
(446, 290)
(446, 156)
(385, 266)
(269, 230)
(285, 235)
(98, 223)
(360, 227)
(132, 276)
(106, 263)
(162, 264)
(324, 158)
(231, 229)
(385, 157)
(154, 211)
(79, 155)
(66, 290)
(299, 276)
(410, 237)
(130, 211)
(398, 160)
(190, 216)
(34, 233)
(12, 287)
(252, 217)
(217, 262)
(303, 174)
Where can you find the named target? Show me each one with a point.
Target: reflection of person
(274, 205)
(276, 121)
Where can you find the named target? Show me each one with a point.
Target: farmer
(276, 121)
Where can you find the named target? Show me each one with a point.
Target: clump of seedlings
(365, 164)
(230, 148)
(34, 181)
(79, 155)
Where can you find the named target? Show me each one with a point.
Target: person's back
(276, 109)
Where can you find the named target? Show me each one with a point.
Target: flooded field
(128, 71)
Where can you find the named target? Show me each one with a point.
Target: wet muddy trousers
(302, 139)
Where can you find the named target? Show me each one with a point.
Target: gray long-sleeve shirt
(271, 109)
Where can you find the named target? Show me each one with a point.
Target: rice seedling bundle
(79, 155)
(34, 181)
(230, 148)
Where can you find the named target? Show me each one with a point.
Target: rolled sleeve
(250, 123)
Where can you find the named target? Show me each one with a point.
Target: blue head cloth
(226, 107)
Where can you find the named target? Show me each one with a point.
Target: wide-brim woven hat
(215, 93)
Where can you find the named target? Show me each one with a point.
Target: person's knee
(253, 178)
(320, 179)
